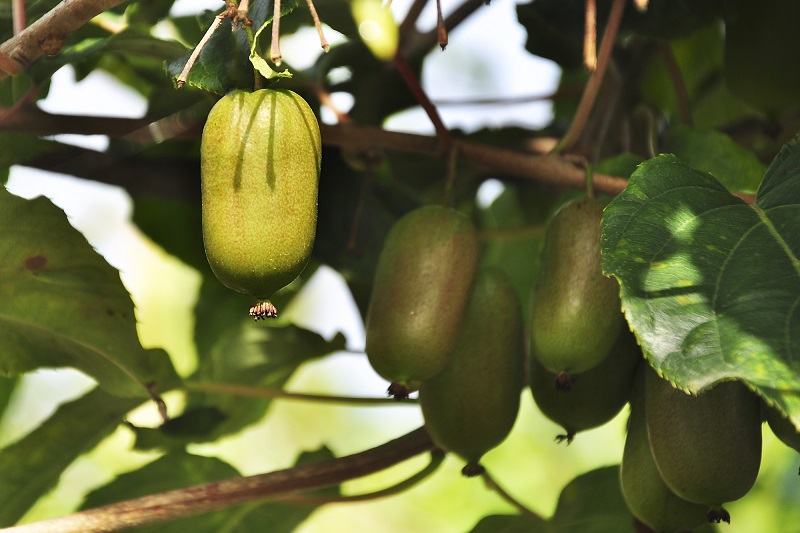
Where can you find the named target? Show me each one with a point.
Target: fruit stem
(323, 42)
(265, 392)
(275, 46)
(492, 484)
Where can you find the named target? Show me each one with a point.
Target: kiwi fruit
(593, 397)
(782, 427)
(420, 295)
(471, 405)
(649, 499)
(707, 447)
(576, 312)
(260, 157)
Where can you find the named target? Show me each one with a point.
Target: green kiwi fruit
(649, 499)
(260, 158)
(593, 397)
(783, 428)
(471, 405)
(422, 287)
(576, 313)
(707, 447)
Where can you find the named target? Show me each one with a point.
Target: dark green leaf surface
(32, 466)
(734, 166)
(709, 284)
(62, 305)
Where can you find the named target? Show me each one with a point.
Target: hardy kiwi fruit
(422, 287)
(471, 405)
(648, 497)
(595, 396)
(260, 157)
(576, 314)
(783, 428)
(707, 447)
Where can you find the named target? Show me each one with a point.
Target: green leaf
(736, 168)
(63, 305)
(593, 503)
(709, 284)
(32, 465)
(510, 523)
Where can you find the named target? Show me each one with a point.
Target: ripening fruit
(422, 287)
(707, 447)
(471, 405)
(783, 428)
(576, 314)
(595, 396)
(647, 496)
(260, 159)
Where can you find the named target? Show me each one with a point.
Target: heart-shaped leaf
(710, 284)
(63, 305)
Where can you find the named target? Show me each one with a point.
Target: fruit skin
(648, 497)
(707, 447)
(783, 428)
(576, 313)
(422, 287)
(471, 405)
(596, 396)
(260, 158)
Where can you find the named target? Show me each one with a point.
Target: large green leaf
(32, 465)
(709, 284)
(62, 305)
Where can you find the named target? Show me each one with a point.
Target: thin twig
(275, 46)
(441, 29)
(436, 460)
(492, 484)
(442, 133)
(323, 42)
(201, 499)
(590, 37)
(408, 24)
(596, 79)
(184, 75)
(263, 392)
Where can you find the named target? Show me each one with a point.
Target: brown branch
(596, 79)
(200, 499)
(47, 35)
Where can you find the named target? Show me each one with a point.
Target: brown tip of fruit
(398, 391)
(563, 382)
(718, 514)
(568, 437)
(263, 310)
(473, 470)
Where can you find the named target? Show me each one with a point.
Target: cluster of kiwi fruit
(441, 324)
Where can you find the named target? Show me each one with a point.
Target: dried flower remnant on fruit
(473, 470)
(263, 310)
(398, 391)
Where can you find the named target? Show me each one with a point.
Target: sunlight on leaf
(709, 284)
